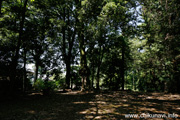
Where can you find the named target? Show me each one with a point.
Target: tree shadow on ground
(118, 104)
(80, 105)
(35, 106)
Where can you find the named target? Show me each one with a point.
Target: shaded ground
(78, 105)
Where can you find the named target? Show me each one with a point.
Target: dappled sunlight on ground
(72, 105)
(117, 104)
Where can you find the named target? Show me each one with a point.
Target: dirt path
(79, 106)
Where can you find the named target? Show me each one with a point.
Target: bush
(43, 85)
(39, 84)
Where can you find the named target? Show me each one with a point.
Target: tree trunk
(83, 62)
(68, 70)
(123, 69)
(98, 70)
(24, 68)
(20, 34)
(110, 83)
(16, 57)
(65, 55)
(176, 74)
(36, 71)
(97, 83)
(101, 53)
(92, 82)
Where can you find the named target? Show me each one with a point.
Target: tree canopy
(90, 44)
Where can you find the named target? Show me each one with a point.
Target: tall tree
(84, 20)
(19, 42)
(161, 23)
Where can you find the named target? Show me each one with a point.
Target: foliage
(41, 85)
(115, 44)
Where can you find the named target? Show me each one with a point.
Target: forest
(80, 53)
